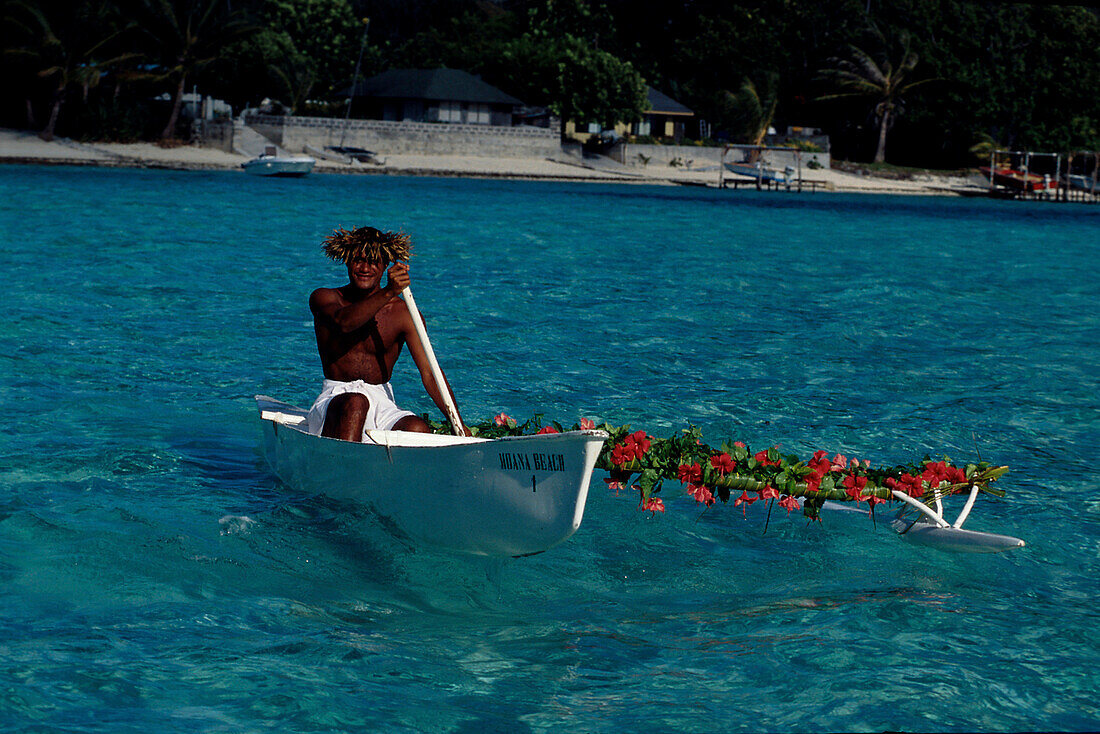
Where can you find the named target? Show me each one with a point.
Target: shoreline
(26, 148)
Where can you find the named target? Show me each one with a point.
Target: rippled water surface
(153, 573)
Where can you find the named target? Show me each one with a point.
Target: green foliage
(1023, 75)
(885, 84)
(754, 106)
(184, 37)
(806, 146)
(64, 47)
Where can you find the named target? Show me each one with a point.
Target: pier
(1030, 176)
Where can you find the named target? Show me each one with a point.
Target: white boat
(762, 173)
(1082, 183)
(512, 496)
(271, 163)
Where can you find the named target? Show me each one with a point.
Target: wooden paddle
(418, 322)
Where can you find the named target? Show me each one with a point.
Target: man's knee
(412, 423)
(350, 404)
(345, 416)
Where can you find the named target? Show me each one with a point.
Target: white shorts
(382, 413)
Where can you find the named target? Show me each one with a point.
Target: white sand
(25, 147)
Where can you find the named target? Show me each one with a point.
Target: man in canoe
(360, 329)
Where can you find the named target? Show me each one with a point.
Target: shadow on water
(333, 547)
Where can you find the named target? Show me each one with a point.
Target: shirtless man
(361, 328)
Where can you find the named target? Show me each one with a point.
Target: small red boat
(1018, 180)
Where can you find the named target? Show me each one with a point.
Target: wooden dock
(796, 186)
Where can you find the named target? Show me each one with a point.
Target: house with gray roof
(665, 118)
(432, 95)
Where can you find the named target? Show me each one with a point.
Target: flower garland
(719, 474)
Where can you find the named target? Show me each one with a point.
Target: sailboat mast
(354, 80)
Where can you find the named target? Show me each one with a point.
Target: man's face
(365, 274)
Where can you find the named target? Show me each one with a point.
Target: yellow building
(665, 118)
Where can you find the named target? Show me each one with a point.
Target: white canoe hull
(505, 497)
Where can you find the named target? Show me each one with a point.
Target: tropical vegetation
(915, 82)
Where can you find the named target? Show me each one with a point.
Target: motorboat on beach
(512, 496)
(762, 172)
(272, 163)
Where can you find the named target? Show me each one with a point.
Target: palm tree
(67, 48)
(862, 76)
(757, 106)
(188, 35)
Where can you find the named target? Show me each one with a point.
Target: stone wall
(697, 156)
(216, 134)
(408, 138)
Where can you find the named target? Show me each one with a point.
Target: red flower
(723, 463)
(745, 500)
(654, 505)
(622, 454)
(587, 424)
(503, 420)
(739, 444)
(769, 493)
(840, 462)
(612, 484)
(701, 494)
(911, 485)
(931, 476)
(873, 500)
(820, 467)
(639, 442)
(546, 429)
(855, 486)
(789, 502)
(762, 458)
(690, 474)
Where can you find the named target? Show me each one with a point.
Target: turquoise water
(153, 573)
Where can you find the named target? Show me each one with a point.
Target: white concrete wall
(409, 138)
(696, 156)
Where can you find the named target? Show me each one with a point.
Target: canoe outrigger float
(920, 524)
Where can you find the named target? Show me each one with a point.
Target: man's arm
(420, 358)
(324, 301)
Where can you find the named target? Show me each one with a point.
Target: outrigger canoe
(512, 496)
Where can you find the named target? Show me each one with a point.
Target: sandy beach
(27, 148)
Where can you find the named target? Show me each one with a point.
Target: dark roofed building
(665, 117)
(432, 95)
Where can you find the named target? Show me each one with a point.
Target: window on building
(450, 111)
(642, 128)
(479, 114)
